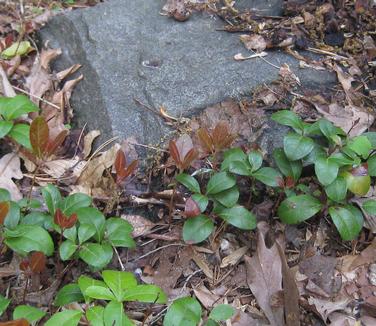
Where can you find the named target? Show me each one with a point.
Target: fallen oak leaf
(264, 277)
(10, 168)
(4, 209)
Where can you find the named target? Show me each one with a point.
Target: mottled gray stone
(262, 7)
(128, 50)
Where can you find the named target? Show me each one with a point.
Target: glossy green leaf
(114, 315)
(231, 155)
(370, 206)
(119, 233)
(337, 190)
(269, 176)
(85, 232)
(68, 294)
(5, 127)
(67, 249)
(74, 202)
(118, 282)
(99, 293)
(341, 159)
(360, 145)
(329, 130)
(52, 198)
(228, 197)
(201, 200)
(326, 171)
(371, 135)
(95, 316)
(288, 168)
(288, 118)
(220, 182)
(145, 293)
(4, 303)
(21, 134)
(296, 209)
(222, 312)
(96, 255)
(317, 152)
(184, 311)
(84, 282)
(26, 238)
(297, 146)
(4, 195)
(372, 166)
(14, 107)
(17, 48)
(348, 221)
(240, 168)
(71, 233)
(91, 215)
(197, 229)
(189, 182)
(31, 314)
(255, 160)
(358, 185)
(65, 318)
(238, 216)
(13, 217)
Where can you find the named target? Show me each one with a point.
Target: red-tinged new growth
(41, 144)
(185, 162)
(216, 140)
(64, 221)
(191, 208)
(122, 170)
(4, 209)
(35, 264)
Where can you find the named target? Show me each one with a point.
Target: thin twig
(160, 248)
(119, 259)
(37, 97)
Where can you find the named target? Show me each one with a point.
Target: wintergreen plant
(187, 311)
(115, 289)
(11, 111)
(83, 231)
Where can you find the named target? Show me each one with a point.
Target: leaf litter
(268, 281)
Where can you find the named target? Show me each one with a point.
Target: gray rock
(128, 50)
(262, 7)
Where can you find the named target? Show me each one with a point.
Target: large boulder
(130, 51)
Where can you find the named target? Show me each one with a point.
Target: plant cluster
(342, 165)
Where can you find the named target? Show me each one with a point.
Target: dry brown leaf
(92, 174)
(264, 277)
(66, 72)
(326, 307)
(141, 225)
(253, 42)
(234, 257)
(57, 168)
(206, 297)
(5, 87)
(243, 319)
(201, 262)
(88, 142)
(10, 168)
(290, 292)
(352, 119)
(344, 78)
(39, 81)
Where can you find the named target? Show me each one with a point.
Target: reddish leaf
(18, 322)
(205, 140)
(289, 182)
(38, 262)
(123, 174)
(24, 265)
(221, 135)
(189, 158)
(120, 162)
(4, 209)
(64, 221)
(191, 208)
(174, 152)
(39, 135)
(53, 145)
